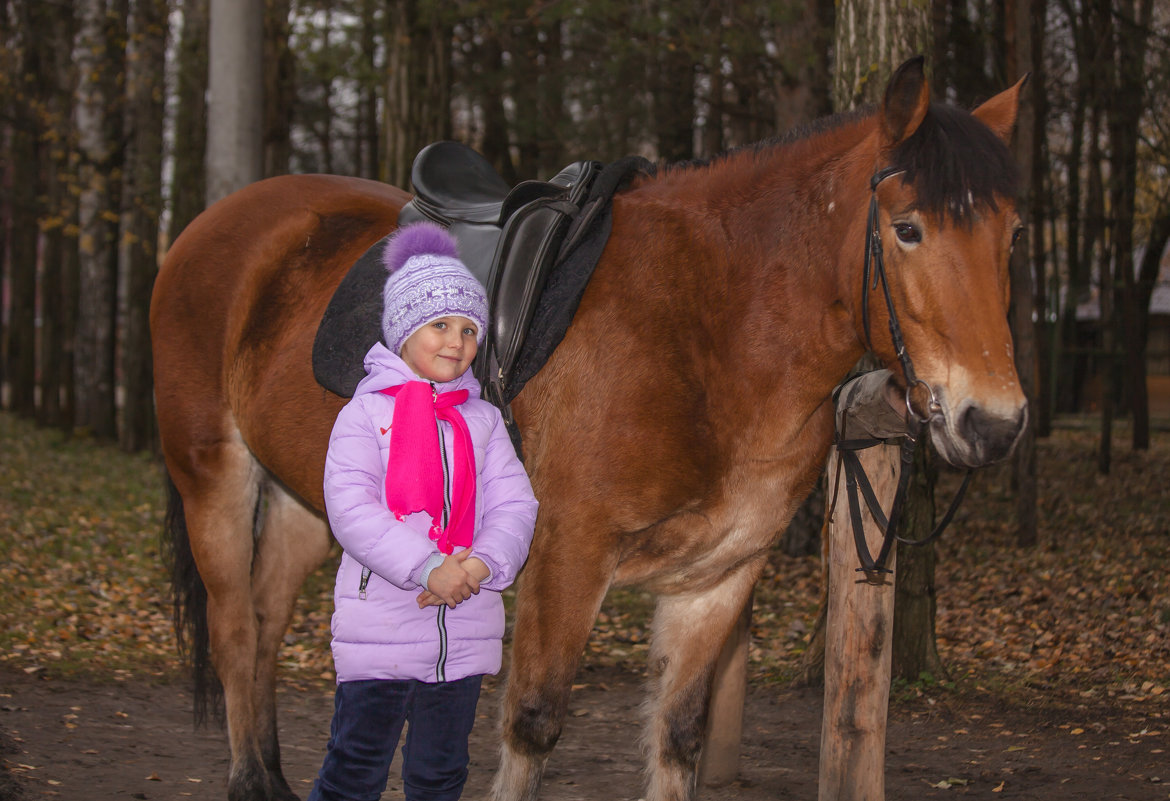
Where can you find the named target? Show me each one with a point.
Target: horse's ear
(999, 113)
(905, 103)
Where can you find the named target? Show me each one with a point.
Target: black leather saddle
(509, 238)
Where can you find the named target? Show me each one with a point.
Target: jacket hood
(384, 369)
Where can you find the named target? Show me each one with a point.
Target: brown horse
(671, 435)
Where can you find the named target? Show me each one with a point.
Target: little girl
(435, 513)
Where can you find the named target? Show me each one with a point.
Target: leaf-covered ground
(1085, 614)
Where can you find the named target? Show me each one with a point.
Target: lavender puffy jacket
(381, 633)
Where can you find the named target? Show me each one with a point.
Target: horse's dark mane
(955, 162)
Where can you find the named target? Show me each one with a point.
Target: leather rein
(856, 480)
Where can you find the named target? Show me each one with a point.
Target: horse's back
(235, 310)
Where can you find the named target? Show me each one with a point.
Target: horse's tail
(190, 609)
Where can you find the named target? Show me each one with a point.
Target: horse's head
(945, 193)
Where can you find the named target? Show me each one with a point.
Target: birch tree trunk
(235, 113)
(872, 38)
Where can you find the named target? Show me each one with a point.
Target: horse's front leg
(293, 542)
(689, 631)
(559, 595)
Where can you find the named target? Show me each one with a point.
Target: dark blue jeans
(368, 717)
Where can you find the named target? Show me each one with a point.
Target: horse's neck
(791, 231)
(751, 330)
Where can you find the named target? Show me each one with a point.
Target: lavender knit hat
(427, 281)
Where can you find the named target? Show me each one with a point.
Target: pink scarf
(414, 470)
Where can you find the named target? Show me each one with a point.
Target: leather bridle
(855, 479)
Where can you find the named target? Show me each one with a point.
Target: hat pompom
(418, 239)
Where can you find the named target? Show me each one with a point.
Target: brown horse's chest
(748, 508)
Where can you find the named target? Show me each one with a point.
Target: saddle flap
(527, 253)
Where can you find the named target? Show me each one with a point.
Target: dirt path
(134, 740)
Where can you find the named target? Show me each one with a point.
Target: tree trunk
(145, 91)
(862, 44)
(1019, 16)
(366, 161)
(872, 38)
(915, 648)
(99, 63)
(57, 310)
(1038, 215)
(801, 84)
(1132, 31)
(496, 144)
(278, 87)
(1106, 297)
(235, 152)
(672, 82)
(418, 90)
(27, 150)
(189, 186)
(1070, 377)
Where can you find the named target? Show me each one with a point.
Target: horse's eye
(1016, 234)
(907, 233)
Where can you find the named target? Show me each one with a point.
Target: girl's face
(441, 350)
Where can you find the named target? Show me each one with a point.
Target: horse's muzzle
(977, 437)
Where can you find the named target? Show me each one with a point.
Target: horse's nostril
(993, 435)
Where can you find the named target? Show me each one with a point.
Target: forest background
(109, 147)
(105, 155)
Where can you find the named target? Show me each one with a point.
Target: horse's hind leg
(220, 485)
(293, 542)
(688, 635)
(559, 595)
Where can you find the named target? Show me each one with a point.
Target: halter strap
(848, 461)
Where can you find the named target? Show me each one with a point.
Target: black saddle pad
(352, 323)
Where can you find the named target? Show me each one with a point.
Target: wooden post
(719, 764)
(860, 613)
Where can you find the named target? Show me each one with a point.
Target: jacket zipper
(441, 664)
